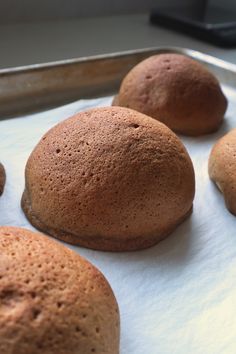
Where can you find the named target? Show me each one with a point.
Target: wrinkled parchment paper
(177, 297)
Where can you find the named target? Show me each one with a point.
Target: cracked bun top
(52, 300)
(110, 179)
(177, 91)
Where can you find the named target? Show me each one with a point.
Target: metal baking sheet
(179, 296)
(37, 87)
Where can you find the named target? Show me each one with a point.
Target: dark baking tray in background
(205, 21)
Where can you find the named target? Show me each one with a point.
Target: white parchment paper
(177, 297)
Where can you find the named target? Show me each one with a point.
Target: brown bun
(222, 168)
(2, 178)
(177, 91)
(52, 300)
(109, 179)
(115, 101)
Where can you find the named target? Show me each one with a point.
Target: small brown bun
(177, 91)
(2, 178)
(115, 101)
(222, 168)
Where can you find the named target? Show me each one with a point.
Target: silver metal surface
(37, 87)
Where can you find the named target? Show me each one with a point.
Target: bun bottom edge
(98, 242)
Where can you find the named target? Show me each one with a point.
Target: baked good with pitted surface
(2, 178)
(222, 168)
(109, 179)
(52, 300)
(176, 90)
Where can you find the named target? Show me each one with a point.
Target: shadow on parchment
(174, 250)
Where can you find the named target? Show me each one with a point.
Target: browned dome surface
(109, 178)
(222, 168)
(52, 300)
(2, 178)
(176, 90)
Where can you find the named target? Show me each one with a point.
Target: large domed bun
(2, 178)
(109, 179)
(177, 91)
(52, 300)
(222, 168)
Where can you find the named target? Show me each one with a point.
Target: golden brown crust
(105, 244)
(176, 90)
(110, 179)
(222, 168)
(52, 301)
(2, 178)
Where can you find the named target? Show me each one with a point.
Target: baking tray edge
(32, 88)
